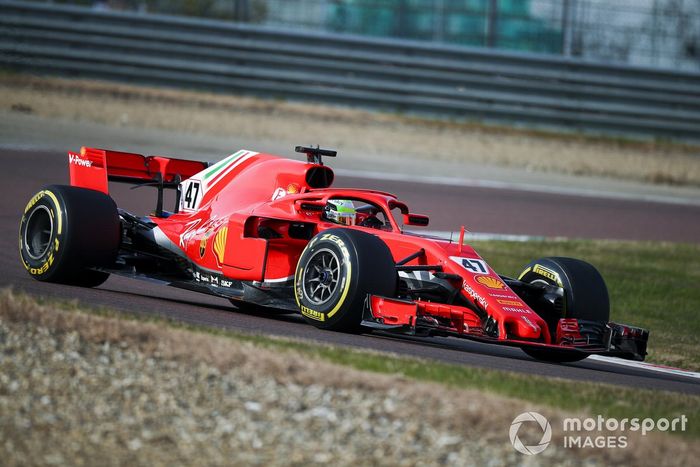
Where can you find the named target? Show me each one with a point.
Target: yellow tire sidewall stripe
(59, 228)
(343, 296)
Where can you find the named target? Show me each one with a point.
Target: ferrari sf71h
(270, 233)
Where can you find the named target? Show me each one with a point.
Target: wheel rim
(38, 233)
(321, 276)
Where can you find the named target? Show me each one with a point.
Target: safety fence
(388, 74)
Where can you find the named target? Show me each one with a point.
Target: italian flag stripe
(235, 162)
(222, 164)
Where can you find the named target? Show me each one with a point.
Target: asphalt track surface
(505, 211)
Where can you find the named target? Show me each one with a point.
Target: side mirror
(416, 219)
(309, 205)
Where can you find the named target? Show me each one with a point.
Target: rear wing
(94, 168)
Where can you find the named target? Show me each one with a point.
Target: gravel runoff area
(78, 388)
(352, 130)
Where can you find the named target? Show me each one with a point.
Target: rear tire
(585, 297)
(67, 230)
(336, 271)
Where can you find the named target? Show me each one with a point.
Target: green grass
(570, 396)
(652, 285)
(594, 399)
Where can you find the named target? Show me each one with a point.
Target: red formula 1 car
(271, 233)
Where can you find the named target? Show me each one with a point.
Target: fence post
(384, 73)
(492, 24)
(566, 28)
(402, 19)
(439, 21)
(241, 10)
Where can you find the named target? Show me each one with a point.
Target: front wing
(420, 318)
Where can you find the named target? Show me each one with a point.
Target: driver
(343, 212)
(340, 211)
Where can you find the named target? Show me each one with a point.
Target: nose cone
(525, 327)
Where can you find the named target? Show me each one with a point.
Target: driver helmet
(340, 211)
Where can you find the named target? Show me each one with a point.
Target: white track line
(449, 181)
(454, 236)
(646, 366)
(531, 187)
(460, 182)
(598, 358)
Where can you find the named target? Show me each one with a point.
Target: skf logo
(77, 160)
(490, 282)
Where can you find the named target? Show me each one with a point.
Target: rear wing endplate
(93, 168)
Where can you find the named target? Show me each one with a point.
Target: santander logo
(75, 159)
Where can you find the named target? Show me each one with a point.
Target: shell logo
(292, 188)
(490, 282)
(220, 244)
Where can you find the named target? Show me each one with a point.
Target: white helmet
(340, 211)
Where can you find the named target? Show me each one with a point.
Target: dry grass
(478, 420)
(349, 130)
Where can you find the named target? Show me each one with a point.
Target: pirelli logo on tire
(335, 273)
(330, 274)
(313, 314)
(299, 292)
(38, 261)
(298, 288)
(34, 200)
(338, 241)
(546, 272)
(44, 267)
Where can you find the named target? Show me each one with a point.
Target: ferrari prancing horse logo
(202, 247)
(203, 244)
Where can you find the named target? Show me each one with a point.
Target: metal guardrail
(402, 76)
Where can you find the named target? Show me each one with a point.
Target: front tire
(336, 271)
(67, 230)
(585, 297)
